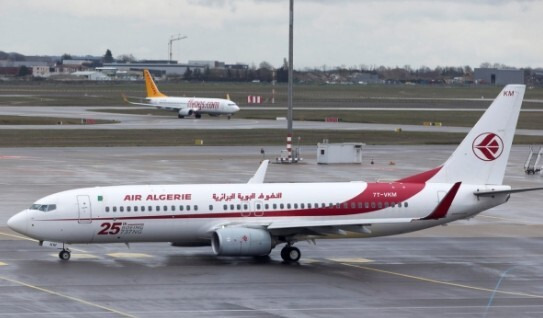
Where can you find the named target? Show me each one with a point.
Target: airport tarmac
(489, 266)
(130, 121)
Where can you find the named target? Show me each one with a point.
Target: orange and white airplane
(251, 219)
(184, 106)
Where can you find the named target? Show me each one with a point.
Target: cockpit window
(43, 207)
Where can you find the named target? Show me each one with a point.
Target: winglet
(125, 98)
(260, 174)
(228, 96)
(443, 207)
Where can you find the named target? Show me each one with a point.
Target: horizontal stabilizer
(488, 193)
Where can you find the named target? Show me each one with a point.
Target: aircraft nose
(236, 108)
(19, 222)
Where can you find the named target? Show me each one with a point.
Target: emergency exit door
(84, 207)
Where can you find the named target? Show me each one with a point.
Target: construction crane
(174, 38)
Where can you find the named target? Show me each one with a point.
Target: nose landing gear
(65, 253)
(290, 254)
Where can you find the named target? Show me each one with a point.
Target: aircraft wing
(139, 101)
(331, 226)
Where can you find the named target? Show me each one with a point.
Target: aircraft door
(84, 208)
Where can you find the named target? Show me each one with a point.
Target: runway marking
(79, 256)
(435, 281)
(351, 260)
(18, 236)
(79, 300)
(3, 264)
(33, 240)
(129, 255)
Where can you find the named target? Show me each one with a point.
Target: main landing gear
(290, 254)
(64, 254)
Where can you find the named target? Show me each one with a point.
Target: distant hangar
(494, 76)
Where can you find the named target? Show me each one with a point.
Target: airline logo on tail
(488, 146)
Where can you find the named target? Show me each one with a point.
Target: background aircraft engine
(241, 241)
(185, 112)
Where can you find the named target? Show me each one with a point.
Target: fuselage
(188, 214)
(210, 106)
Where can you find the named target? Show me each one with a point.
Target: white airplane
(184, 106)
(251, 219)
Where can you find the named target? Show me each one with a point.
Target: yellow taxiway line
(79, 300)
(434, 281)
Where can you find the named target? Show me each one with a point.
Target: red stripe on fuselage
(376, 195)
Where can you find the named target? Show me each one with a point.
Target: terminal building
(494, 76)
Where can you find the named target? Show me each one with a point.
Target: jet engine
(185, 112)
(240, 241)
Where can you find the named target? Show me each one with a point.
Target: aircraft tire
(180, 116)
(198, 116)
(64, 255)
(290, 254)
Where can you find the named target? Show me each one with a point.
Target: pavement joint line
(79, 300)
(500, 218)
(435, 281)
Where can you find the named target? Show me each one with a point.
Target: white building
(348, 152)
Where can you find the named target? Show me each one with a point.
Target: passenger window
(245, 207)
(188, 207)
(386, 204)
(281, 206)
(323, 205)
(266, 206)
(274, 206)
(258, 206)
(400, 205)
(379, 205)
(121, 209)
(136, 208)
(210, 207)
(338, 205)
(157, 208)
(225, 207)
(288, 205)
(107, 209)
(195, 208)
(308, 206)
(373, 205)
(127, 209)
(360, 205)
(405, 204)
(345, 205)
(231, 207)
(173, 208)
(114, 209)
(165, 208)
(150, 208)
(180, 208)
(366, 205)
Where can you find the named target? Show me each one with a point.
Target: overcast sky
(331, 33)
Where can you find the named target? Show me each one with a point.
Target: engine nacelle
(240, 241)
(185, 112)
